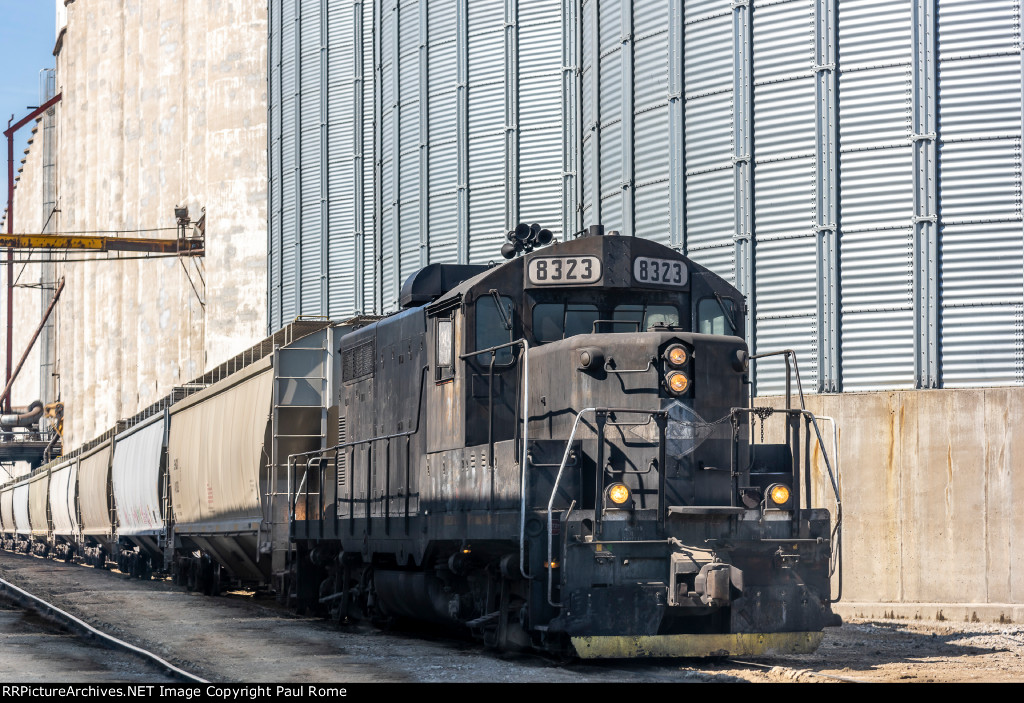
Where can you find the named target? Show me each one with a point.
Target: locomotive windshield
(555, 321)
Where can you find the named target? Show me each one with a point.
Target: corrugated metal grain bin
(854, 168)
(38, 489)
(136, 474)
(63, 491)
(22, 525)
(405, 133)
(94, 490)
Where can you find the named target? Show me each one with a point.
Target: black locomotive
(557, 451)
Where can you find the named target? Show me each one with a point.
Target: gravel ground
(242, 638)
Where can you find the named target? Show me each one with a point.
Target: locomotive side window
(494, 327)
(717, 316)
(445, 334)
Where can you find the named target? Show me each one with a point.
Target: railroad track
(28, 601)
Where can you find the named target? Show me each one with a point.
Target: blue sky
(26, 46)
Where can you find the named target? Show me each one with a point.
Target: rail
(27, 599)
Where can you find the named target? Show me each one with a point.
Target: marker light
(676, 355)
(618, 494)
(677, 382)
(779, 494)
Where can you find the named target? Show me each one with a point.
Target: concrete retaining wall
(933, 501)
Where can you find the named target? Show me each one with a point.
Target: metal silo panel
(878, 349)
(980, 97)
(341, 208)
(876, 188)
(539, 200)
(708, 119)
(390, 158)
(539, 106)
(980, 281)
(274, 215)
(311, 231)
(651, 130)
(877, 331)
(709, 211)
(981, 265)
(980, 345)
(978, 27)
(409, 139)
(651, 202)
(609, 32)
(708, 133)
(487, 223)
(720, 259)
(874, 33)
(877, 339)
(874, 107)
(441, 117)
(785, 191)
(708, 67)
(486, 134)
(786, 304)
(981, 183)
(367, 265)
(443, 223)
(784, 120)
(289, 164)
(781, 46)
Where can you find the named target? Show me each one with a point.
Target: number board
(563, 270)
(660, 272)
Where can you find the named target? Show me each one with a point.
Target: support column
(512, 114)
(925, 220)
(676, 127)
(826, 129)
(628, 172)
(462, 124)
(572, 117)
(743, 159)
(358, 157)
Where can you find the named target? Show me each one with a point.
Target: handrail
(612, 369)
(558, 479)
(551, 501)
(345, 445)
(526, 433)
(837, 534)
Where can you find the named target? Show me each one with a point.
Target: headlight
(676, 355)
(779, 495)
(618, 494)
(677, 382)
